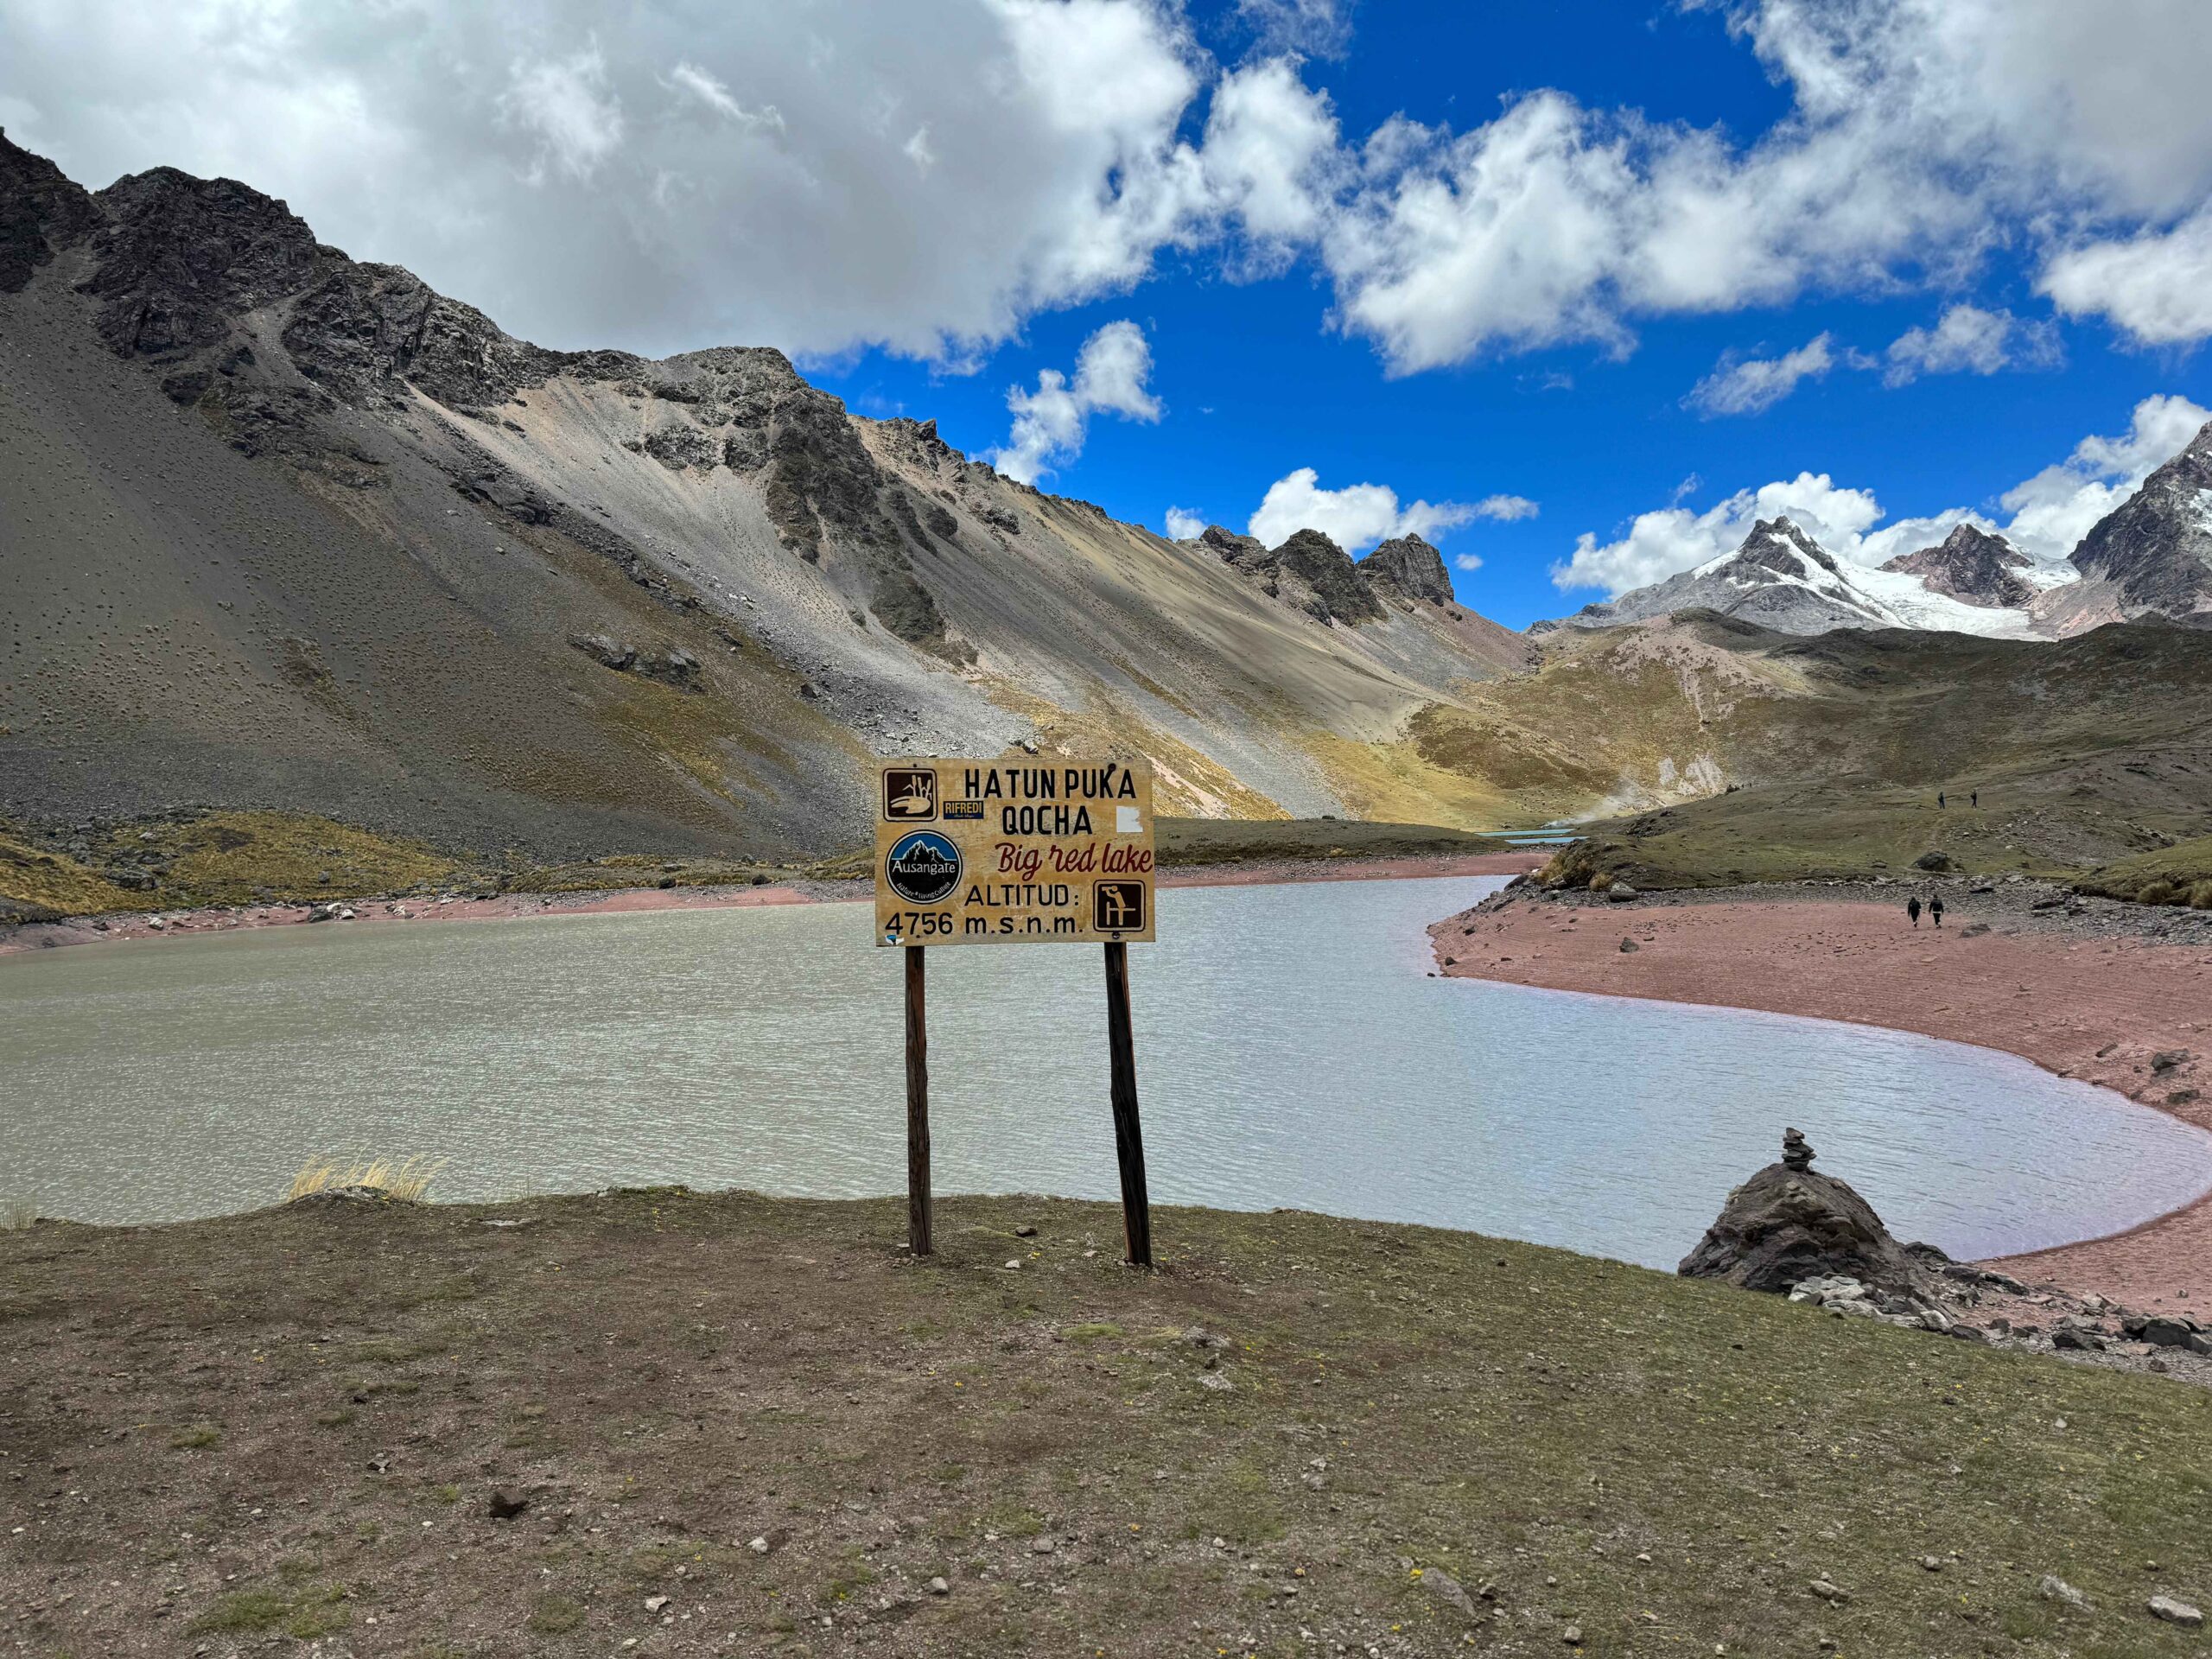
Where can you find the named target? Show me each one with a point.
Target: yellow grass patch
(56, 882)
(404, 1182)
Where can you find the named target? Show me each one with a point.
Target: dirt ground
(653, 1423)
(2115, 995)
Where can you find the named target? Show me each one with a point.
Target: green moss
(555, 1616)
(242, 1611)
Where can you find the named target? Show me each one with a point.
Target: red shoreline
(2101, 1010)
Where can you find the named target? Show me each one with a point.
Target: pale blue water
(1291, 1051)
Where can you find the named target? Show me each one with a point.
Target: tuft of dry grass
(17, 1218)
(404, 1182)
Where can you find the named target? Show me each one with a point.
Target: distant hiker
(1939, 800)
(1974, 797)
(1912, 909)
(1935, 909)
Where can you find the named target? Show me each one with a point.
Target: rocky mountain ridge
(293, 530)
(2153, 554)
(1781, 578)
(2150, 559)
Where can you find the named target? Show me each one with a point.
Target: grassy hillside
(1711, 751)
(1405, 1441)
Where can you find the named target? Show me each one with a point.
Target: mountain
(2153, 554)
(1781, 578)
(1742, 752)
(1974, 566)
(2149, 559)
(287, 529)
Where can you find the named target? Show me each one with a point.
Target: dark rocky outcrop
(179, 258)
(2155, 549)
(1972, 567)
(1790, 1223)
(1307, 569)
(1410, 567)
(1339, 595)
(363, 328)
(670, 665)
(42, 211)
(1245, 553)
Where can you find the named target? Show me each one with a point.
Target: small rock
(1827, 1591)
(1933, 1563)
(1440, 1583)
(1217, 1381)
(1571, 1635)
(502, 1508)
(2176, 1612)
(654, 1604)
(1621, 893)
(1040, 1545)
(758, 1545)
(1024, 1231)
(1013, 1267)
(1630, 947)
(2053, 1588)
(939, 1587)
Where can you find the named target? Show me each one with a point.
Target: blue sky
(1655, 268)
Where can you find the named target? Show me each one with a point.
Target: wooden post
(918, 1110)
(1128, 1138)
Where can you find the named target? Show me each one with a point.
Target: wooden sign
(1022, 851)
(1017, 851)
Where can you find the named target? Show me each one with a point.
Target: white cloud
(1271, 155)
(1184, 524)
(2158, 287)
(735, 175)
(1354, 517)
(1967, 338)
(1747, 385)
(935, 175)
(1050, 424)
(691, 79)
(1469, 561)
(1505, 507)
(569, 105)
(2048, 514)
(1318, 29)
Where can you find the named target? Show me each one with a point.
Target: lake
(1291, 1050)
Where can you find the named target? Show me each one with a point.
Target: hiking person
(1939, 800)
(1912, 909)
(1935, 908)
(1974, 797)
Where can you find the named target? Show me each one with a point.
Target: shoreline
(2102, 995)
(22, 938)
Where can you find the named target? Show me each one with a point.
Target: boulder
(1790, 1224)
(2168, 1330)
